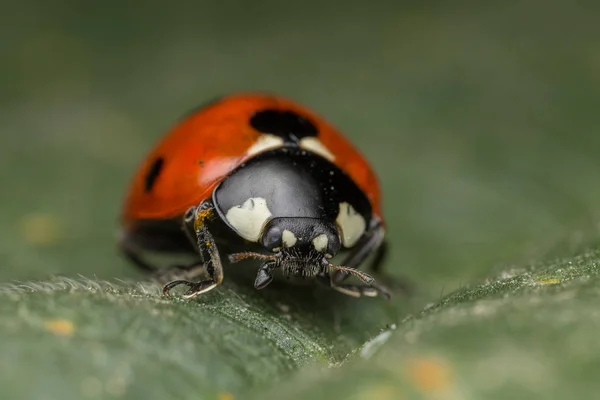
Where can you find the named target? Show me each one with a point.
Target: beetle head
(301, 247)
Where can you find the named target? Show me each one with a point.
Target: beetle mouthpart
(233, 258)
(366, 278)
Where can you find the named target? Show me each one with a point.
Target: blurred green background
(481, 119)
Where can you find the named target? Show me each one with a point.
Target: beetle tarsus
(195, 288)
(264, 276)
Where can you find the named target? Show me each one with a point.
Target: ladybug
(264, 178)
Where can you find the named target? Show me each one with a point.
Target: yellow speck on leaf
(548, 281)
(40, 229)
(430, 375)
(226, 396)
(60, 327)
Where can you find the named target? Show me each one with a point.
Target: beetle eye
(272, 238)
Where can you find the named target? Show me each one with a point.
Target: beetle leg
(369, 290)
(264, 276)
(372, 242)
(207, 249)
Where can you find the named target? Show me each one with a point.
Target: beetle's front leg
(264, 276)
(370, 290)
(372, 242)
(208, 252)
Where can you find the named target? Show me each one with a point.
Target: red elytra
(204, 147)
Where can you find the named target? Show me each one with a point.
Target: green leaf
(524, 334)
(95, 339)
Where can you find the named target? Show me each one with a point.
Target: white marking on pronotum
(351, 223)
(320, 242)
(313, 144)
(249, 218)
(288, 238)
(265, 142)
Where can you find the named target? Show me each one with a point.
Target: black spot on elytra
(153, 173)
(286, 124)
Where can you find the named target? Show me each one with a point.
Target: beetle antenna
(233, 258)
(366, 278)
